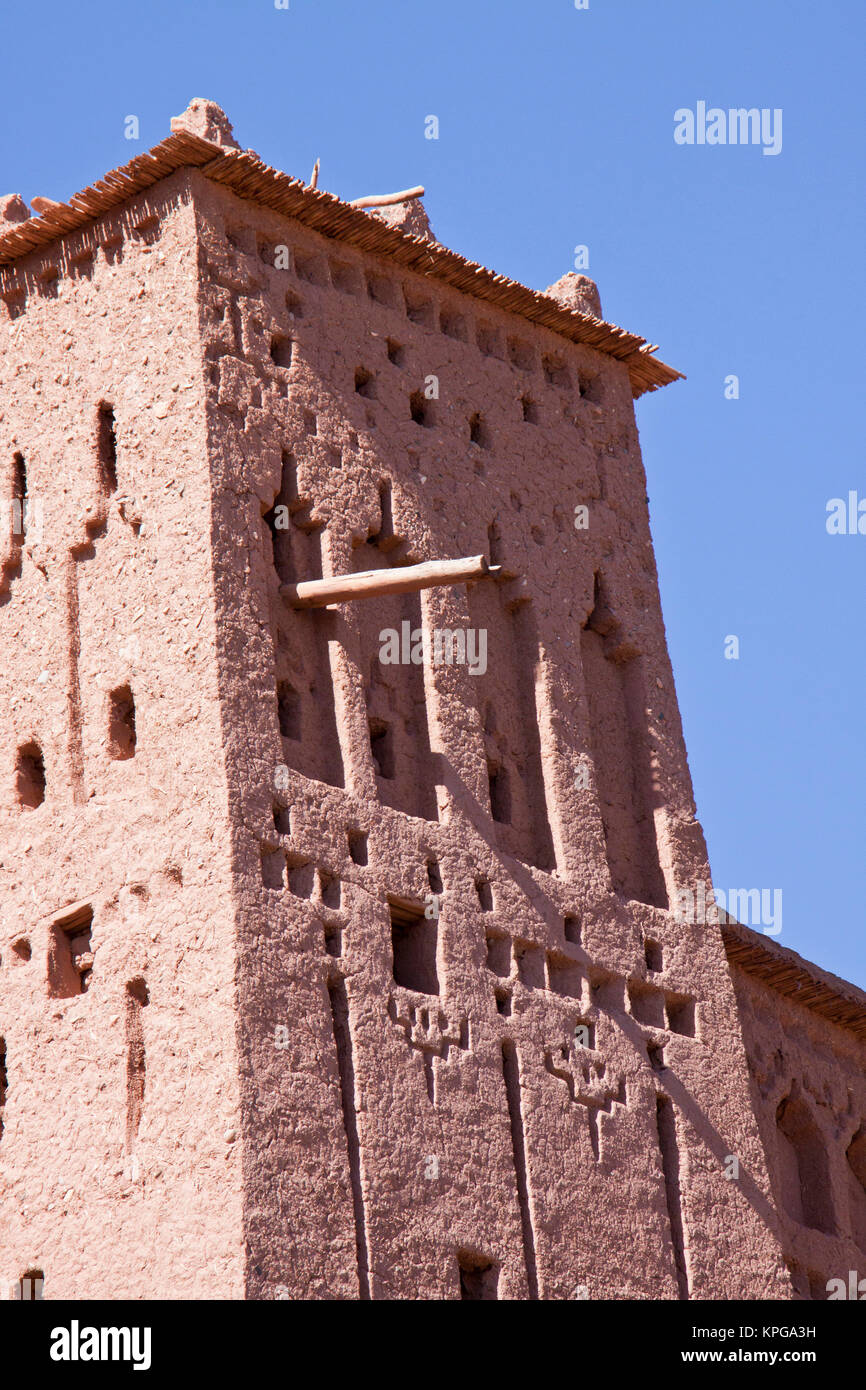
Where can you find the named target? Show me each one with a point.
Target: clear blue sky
(557, 129)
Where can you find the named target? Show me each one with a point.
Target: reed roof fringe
(249, 177)
(798, 979)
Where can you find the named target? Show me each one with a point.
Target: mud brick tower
(326, 976)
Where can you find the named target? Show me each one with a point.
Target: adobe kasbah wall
(808, 1066)
(331, 976)
(111, 590)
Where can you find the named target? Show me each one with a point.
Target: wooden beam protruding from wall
(384, 200)
(343, 588)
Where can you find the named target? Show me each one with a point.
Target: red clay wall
(809, 1093)
(283, 1079)
(119, 1164)
(393, 1131)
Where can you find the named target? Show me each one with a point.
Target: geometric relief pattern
(427, 1028)
(584, 1072)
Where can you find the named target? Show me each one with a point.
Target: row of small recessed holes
(329, 885)
(80, 267)
(452, 324)
(300, 874)
(421, 409)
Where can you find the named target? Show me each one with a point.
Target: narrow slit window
(500, 797)
(19, 496)
(121, 724)
(479, 1278)
(680, 1012)
(414, 940)
(478, 431)
(278, 519)
(385, 539)
(419, 408)
(572, 929)
(289, 710)
(499, 955)
(4, 1083)
(530, 964)
(107, 448)
(494, 543)
(365, 383)
(137, 999)
(382, 749)
(30, 777)
(273, 868)
(330, 889)
(653, 955)
(70, 960)
(281, 351)
(358, 846)
(485, 894)
(302, 877)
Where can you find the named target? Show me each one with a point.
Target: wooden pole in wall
(344, 588)
(383, 200)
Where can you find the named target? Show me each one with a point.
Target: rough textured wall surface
(118, 1170)
(421, 1119)
(326, 974)
(809, 1093)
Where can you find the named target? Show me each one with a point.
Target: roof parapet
(204, 118)
(245, 174)
(577, 292)
(13, 209)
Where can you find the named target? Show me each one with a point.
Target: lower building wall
(120, 1147)
(809, 1095)
(504, 1116)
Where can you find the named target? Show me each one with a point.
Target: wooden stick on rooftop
(343, 588)
(382, 200)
